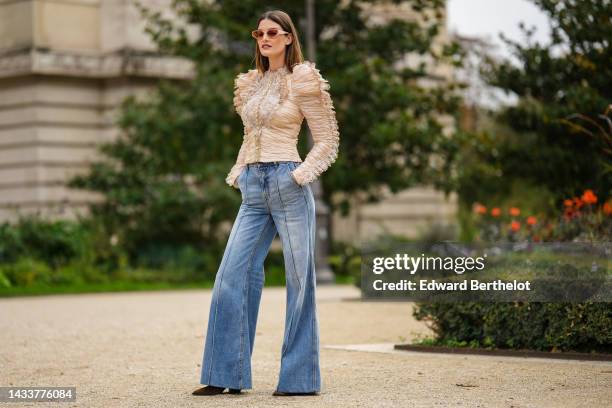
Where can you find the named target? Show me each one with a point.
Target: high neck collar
(280, 70)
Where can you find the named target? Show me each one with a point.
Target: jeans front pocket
(243, 183)
(290, 167)
(291, 193)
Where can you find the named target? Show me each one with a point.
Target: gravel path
(144, 349)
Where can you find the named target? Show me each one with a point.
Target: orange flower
(531, 220)
(567, 202)
(495, 212)
(480, 209)
(589, 197)
(514, 211)
(578, 202)
(515, 226)
(607, 208)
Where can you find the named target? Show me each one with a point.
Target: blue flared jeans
(271, 202)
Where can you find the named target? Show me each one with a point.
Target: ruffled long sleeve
(236, 169)
(243, 84)
(311, 92)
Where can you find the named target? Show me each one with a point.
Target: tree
(570, 76)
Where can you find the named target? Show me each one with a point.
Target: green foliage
(35, 251)
(27, 271)
(554, 82)
(4, 281)
(345, 262)
(535, 145)
(521, 325)
(163, 181)
(53, 242)
(478, 173)
(38, 255)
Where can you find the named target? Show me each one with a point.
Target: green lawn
(123, 286)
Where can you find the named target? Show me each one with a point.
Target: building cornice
(117, 64)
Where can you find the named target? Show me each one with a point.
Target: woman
(274, 182)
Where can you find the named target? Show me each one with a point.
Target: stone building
(65, 65)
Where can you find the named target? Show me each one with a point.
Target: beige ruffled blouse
(273, 106)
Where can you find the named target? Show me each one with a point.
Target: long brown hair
(293, 51)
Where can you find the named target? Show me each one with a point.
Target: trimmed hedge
(582, 327)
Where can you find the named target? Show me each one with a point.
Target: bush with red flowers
(582, 219)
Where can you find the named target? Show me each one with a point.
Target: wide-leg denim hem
(206, 377)
(245, 299)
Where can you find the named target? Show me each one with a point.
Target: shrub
(52, 242)
(521, 325)
(345, 260)
(532, 325)
(27, 272)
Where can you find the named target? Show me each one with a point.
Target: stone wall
(65, 65)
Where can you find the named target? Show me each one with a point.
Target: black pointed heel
(214, 390)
